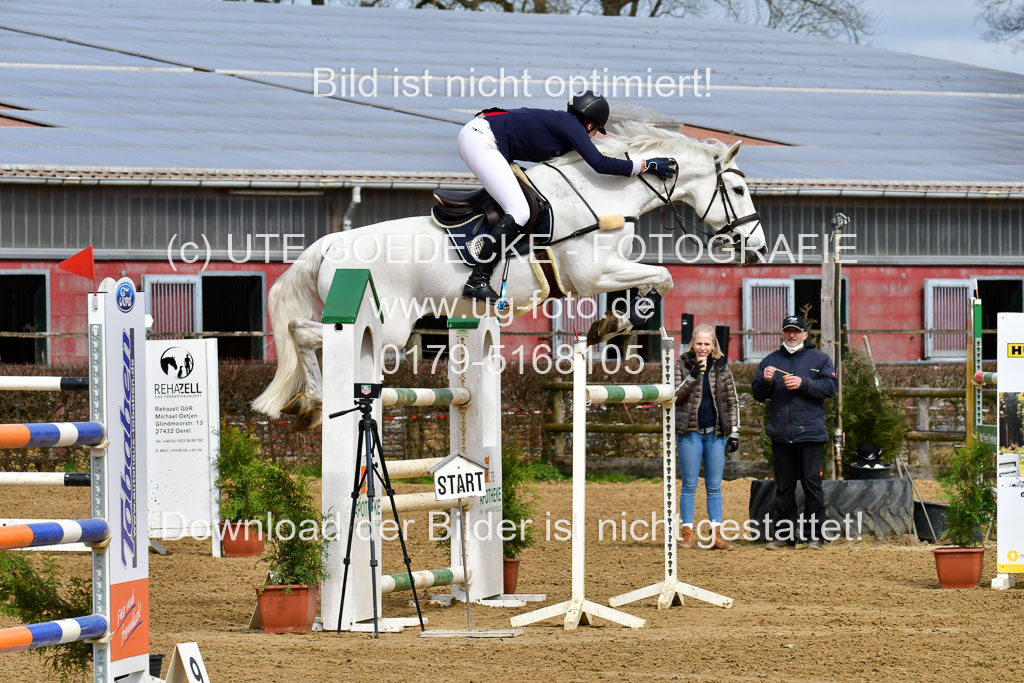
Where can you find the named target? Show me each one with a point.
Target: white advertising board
(1010, 435)
(183, 429)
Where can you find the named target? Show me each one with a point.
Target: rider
(497, 136)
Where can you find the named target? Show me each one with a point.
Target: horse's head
(708, 181)
(722, 199)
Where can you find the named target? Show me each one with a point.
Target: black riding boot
(478, 286)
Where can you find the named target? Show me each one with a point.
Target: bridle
(720, 187)
(733, 218)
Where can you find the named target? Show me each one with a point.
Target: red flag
(81, 264)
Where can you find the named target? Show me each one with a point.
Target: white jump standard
(578, 610)
(352, 353)
(119, 626)
(670, 591)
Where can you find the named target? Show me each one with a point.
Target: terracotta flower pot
(959, 567)
(511, 576)
(241, 539)
(287, 609)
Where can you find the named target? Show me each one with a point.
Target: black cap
(794, 321)
(868, 452)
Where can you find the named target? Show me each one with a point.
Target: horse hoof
(611, 325)
(294, 405)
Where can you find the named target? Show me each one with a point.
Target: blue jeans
(694, 447)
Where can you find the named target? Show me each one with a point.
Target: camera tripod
(369, 441)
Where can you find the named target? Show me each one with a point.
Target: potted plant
(971, 507)
(515, 508)
(240, 507)
(295, 558)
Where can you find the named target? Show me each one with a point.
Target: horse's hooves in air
(306, 422)
(295, 405)
(611, 325)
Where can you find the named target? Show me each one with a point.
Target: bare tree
(1004, 20)
(826, 18)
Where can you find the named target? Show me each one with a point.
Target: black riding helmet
(592, 107)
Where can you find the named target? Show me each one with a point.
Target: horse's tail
(291, 298)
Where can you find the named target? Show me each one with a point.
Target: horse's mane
(640, 138)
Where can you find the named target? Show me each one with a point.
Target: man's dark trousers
(804, 461)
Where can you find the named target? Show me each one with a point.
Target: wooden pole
(839, 221)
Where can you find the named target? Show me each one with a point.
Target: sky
(944, 29)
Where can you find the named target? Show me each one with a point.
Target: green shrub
(36, 596)
(972, 502)
(869, 412)
(295, 549)
(515, 473)
(240, 464)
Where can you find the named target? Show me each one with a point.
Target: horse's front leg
(307, 405)
(619, 274)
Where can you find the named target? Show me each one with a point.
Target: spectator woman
(707, 423)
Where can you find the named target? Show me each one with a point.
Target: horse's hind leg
(306, 406)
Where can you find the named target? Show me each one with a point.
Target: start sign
(458, 477)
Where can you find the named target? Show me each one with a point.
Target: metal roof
(193, 90)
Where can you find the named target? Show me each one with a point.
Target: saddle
(456, 207)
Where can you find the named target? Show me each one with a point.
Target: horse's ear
(733, 151)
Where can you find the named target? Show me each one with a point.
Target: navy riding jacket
(797, 416)
(542, 134)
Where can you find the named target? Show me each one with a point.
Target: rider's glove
(661, 167)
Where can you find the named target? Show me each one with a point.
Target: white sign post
(183, 430)
(456, 477)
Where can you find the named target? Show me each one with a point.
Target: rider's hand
(733, 444)
(661, 167)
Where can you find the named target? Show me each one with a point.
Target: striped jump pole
(424, 397)
(48, 633)
(44, 479)
(989, 378)
(57, 532)
(413, 502)
(12, 383)
(389, 583)
(410, 469)
(51, 434)
(630, 393)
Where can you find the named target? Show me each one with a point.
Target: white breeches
(480, 152)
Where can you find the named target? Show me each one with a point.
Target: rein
(590, 228)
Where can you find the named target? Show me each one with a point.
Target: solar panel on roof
(881, 103)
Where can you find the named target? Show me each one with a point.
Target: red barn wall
(880, 297)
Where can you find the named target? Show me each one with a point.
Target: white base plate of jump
(1002, 582)
(384, 625)
(576, 613)
(483, 633)
(503, 600)
(671, 593)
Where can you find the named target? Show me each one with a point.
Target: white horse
(416, 275)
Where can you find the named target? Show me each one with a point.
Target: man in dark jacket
(797, 378)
